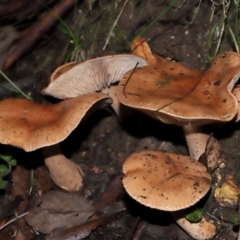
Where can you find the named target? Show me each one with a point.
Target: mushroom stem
(121, 110)
(64, 173)
(112, 92)
(196, 140)
(201, 230)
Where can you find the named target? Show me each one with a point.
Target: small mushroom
(30, 125)
(170, 182)
(62, 69)
(201, 230)
(155, 178)
(175, 94)
(72, 80)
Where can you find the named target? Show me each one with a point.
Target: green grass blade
(14, 85)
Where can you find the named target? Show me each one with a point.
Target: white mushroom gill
(92, 75)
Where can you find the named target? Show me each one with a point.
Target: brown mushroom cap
(178, 95)
(29, 125)
(92, 75)
(164, 180)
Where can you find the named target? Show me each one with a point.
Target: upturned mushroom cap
(62, 69)
(91, 76)
(29, 125)
(141, 48)
(175, 94)
(164, 180)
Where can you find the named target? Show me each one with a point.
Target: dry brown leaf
(58, 210)
(228, 193)
(211, 156)
(82, 231)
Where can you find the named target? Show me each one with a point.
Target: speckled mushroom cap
(30, 125)
(92, 75)
(175, 94)
(165, 181)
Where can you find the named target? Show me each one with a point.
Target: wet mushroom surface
(191, 98)
(154, 178)
(187, 32)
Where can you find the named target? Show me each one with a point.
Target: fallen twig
(13, 220)
(30, 35)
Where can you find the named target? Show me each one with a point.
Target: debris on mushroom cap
(155, 178)
(201, 230)
(228, 193)
(178, 95)
(141, 48)
(29, 125)
(92, 75)
(62, 69)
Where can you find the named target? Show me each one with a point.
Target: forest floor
(190, 32)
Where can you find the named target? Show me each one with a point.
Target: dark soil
(102, 143)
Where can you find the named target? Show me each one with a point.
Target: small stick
(13, 220)
(139, 232)
(114, 25)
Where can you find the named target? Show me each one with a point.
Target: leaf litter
(58, 210)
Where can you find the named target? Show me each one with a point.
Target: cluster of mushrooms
(163, 89)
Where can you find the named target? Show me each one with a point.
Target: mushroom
(30, 125)
(175, 94)
(236, 93)
(155, 179)
(140, 48)
(201, 230)
(62, 69)
(71, 79)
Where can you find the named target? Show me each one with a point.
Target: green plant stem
(14, 85)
